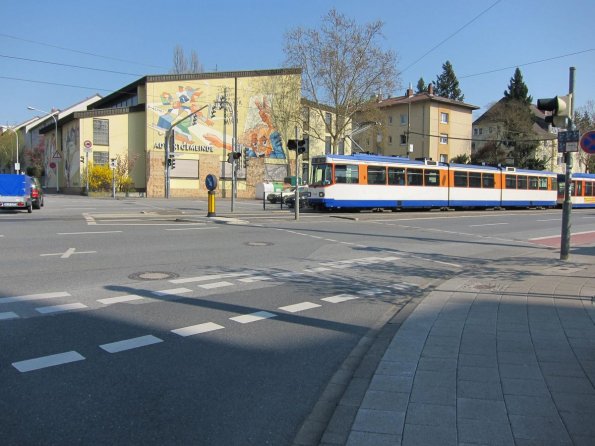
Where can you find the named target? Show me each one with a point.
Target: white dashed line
(88, 232)
(47, 361)
(210, 286)
(197, 329)
(254, 279)
(60, 308)
(8, 315)
(120, 299)
(372, 292)
(299, 307)
(316, 270)
(253, 317)
(172, 292)
(129, 344)
(211, 277)
(339, 298)
(6, 300)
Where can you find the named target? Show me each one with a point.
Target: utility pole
(297, 180)
(567, 206)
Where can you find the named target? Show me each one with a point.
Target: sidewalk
(507, 359)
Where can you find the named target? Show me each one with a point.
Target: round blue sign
(211, 182)
(588, 142)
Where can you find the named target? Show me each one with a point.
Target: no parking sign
(588, 142)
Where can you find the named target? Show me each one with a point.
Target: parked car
(36, 193)
(304, 195)
(278, 197)
(15, 192)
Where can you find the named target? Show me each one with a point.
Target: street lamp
(57, 151)
(17, 165)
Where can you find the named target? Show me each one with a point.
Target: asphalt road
(141, 321)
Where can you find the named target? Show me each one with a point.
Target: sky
(124, 40)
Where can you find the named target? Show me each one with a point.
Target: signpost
(568, 141)
(88, 149)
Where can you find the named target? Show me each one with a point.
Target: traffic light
(245, 157)
(302, 146)
(213, 111)
(233, 156)
(291, 144)
(82, 159)
(560, 106)
(171, 161)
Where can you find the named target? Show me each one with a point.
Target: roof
(423, 97)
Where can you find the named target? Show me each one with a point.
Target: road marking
(120, 299)
(254, 279)
(47, 361)
(210, 286)
(299, 307)
(197, 329)
(551, 219)
(190, 229)
(339, 298)
(129, 344)
(58, 308)
(316, 270)
(172, 292)
(6, 300)
(400, 286)
(66, 254)
(372, 292)
(211, 277)
(330, 240)
(253, 317)
(87, 232)
(488, 224)
(288, 274)
(8, 315)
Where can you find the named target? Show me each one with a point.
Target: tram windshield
(321, 174)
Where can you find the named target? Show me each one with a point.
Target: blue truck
(15, 192)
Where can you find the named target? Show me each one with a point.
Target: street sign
(57, 156)
(588, 142)
(211, 182)
(112, 163)
(568, 141)
(88, 144)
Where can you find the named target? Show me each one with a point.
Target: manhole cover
(484, 287)
(259, 243)
(152, 275)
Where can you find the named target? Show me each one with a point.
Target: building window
(328, 120)
(342, 146)
(390, 140)
(443, 158)
(390, 119)
(443, 118)
(490, 130)
(481, 131)
(327, 145)
(403, 119)
(101, 132)
(475, 131)
(443, 138)
(100, 158)
(403, 139)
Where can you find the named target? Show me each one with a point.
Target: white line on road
(129, 344)
(190, 229)
(253, 317)
(47, 361)
(288, 274)
(212, 277)
(339, 298)
(372, 292)
(210, 286)
(551, 219)
(299, 307)
(8, 315)
(488, 224)
(316, 270)
(197, 329)
(66, 254)
(254, 279)
(87, 232)
(172, 292)
(59, 308)
(6, 300)
(120, 299)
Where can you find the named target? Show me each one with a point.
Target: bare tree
(181, 65)
(584, 119)
(343, 65)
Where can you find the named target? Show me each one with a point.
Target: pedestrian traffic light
(302, 145)
(560, 106)
(171, 161)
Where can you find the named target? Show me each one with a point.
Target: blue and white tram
(582, 190)
(372, 181)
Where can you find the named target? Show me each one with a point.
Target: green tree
(421, 86)
(100, 177)
(491, 153)
(343, 64)
(463, 158)
(517, 89)
(447, 84)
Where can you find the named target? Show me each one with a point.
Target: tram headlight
(321, 194)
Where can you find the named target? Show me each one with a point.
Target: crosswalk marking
(47, 361)
(210, 286)
(253, 317)
(173, 291)
(372, 292)
(59, 308)
(120, 299)
(129, 344)
(299, 307)
(6, 300)
(211, 277)
(8, 315)
(317, 270)
(339, 298)
(197, 329)
(254, 279)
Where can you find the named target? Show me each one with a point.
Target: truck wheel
(30, 208)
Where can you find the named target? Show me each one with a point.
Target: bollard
(211, 204)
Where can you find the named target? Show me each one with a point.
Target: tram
(582, 190)
(383, 182)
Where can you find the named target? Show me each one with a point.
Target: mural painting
(71, 155)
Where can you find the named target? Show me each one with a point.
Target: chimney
(410, 90)
(431, 89)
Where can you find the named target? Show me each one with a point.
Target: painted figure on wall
(71, 155)
(260, 136)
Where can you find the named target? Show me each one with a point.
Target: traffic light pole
(167, 147)
(297, 180)
(567, 206)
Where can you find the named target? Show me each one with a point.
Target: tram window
(396, 176)
(542, 183)
(460, 179)
(510, 181)
(521, 182)
(487, 180)
(346, 174)
(415, 177)
(321, 174)
(578, 188)
(589, 189)
(474, 179)
(431, 177)
(533, 183)
(376, 175)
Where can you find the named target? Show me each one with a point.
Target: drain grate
(153, 275)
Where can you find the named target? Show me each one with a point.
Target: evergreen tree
(517, 89)
(447, 84)
(421, 86)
